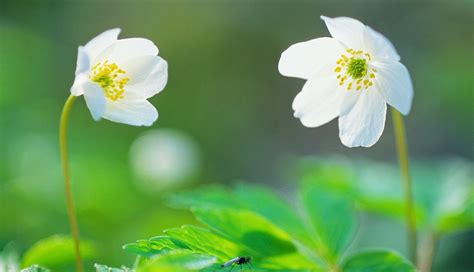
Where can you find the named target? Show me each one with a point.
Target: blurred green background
(225, 100)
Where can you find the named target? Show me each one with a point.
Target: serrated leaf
(34, 268)
(168, 242)
(104, 268)
(201, 240)
(179, 260)
(258, 235)
(377, 260)
(55, 252)
(332, 217)
(154, 245)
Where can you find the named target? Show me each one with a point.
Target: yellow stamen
(353, 68)
(110, 77)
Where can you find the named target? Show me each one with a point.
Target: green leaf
(179, 260)
(104, 268)
(153, 246)
(265, 203)
(206, 197)
(56, 252)
(294, 261)
(443, 192)
(34, 268)
(453, 209)
(202, 240)
(333, 172)
(331, 215)
(259, 236)
(376, 261)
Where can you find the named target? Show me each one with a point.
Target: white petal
(100, 42)
(77, 88)
(346, 30)
(125, 49)
(393, 82)
(95, 99)
(82, 71)
(148, 76)
(320, 100)
(364, 123)
(349, 100)
(83, 61)
(304, 59)
(137, 112)
(379, 46)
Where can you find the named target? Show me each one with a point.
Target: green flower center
(352, 70)
(357, 68)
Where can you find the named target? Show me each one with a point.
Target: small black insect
(238, 261)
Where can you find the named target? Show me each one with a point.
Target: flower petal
(83, 61)
(320, 100)
(95, 99)
(100, 42)
(148, 76)
(364, 123)
(138, 112)
(304, 59)
(346, 30)
(394, 84)
(379, 46)
(125, 49)
(77, 88)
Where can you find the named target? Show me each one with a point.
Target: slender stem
(67, 179)
(400, 135)
(427, 252)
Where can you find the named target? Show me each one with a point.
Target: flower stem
(67, 179)
(400, 136)
(427, 252)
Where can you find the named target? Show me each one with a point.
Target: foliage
(310, 231)
(55, 252)
(35, 268)
(104, 268)
(253, 221)
(444, 191)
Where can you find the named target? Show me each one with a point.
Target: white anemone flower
(117, 77)
(352, 75)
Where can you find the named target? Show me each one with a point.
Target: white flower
(352, 75)
(117, 77)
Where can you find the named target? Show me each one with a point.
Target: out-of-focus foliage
(56, 252)
(443, 190)
(253, 221)
(372, 261)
